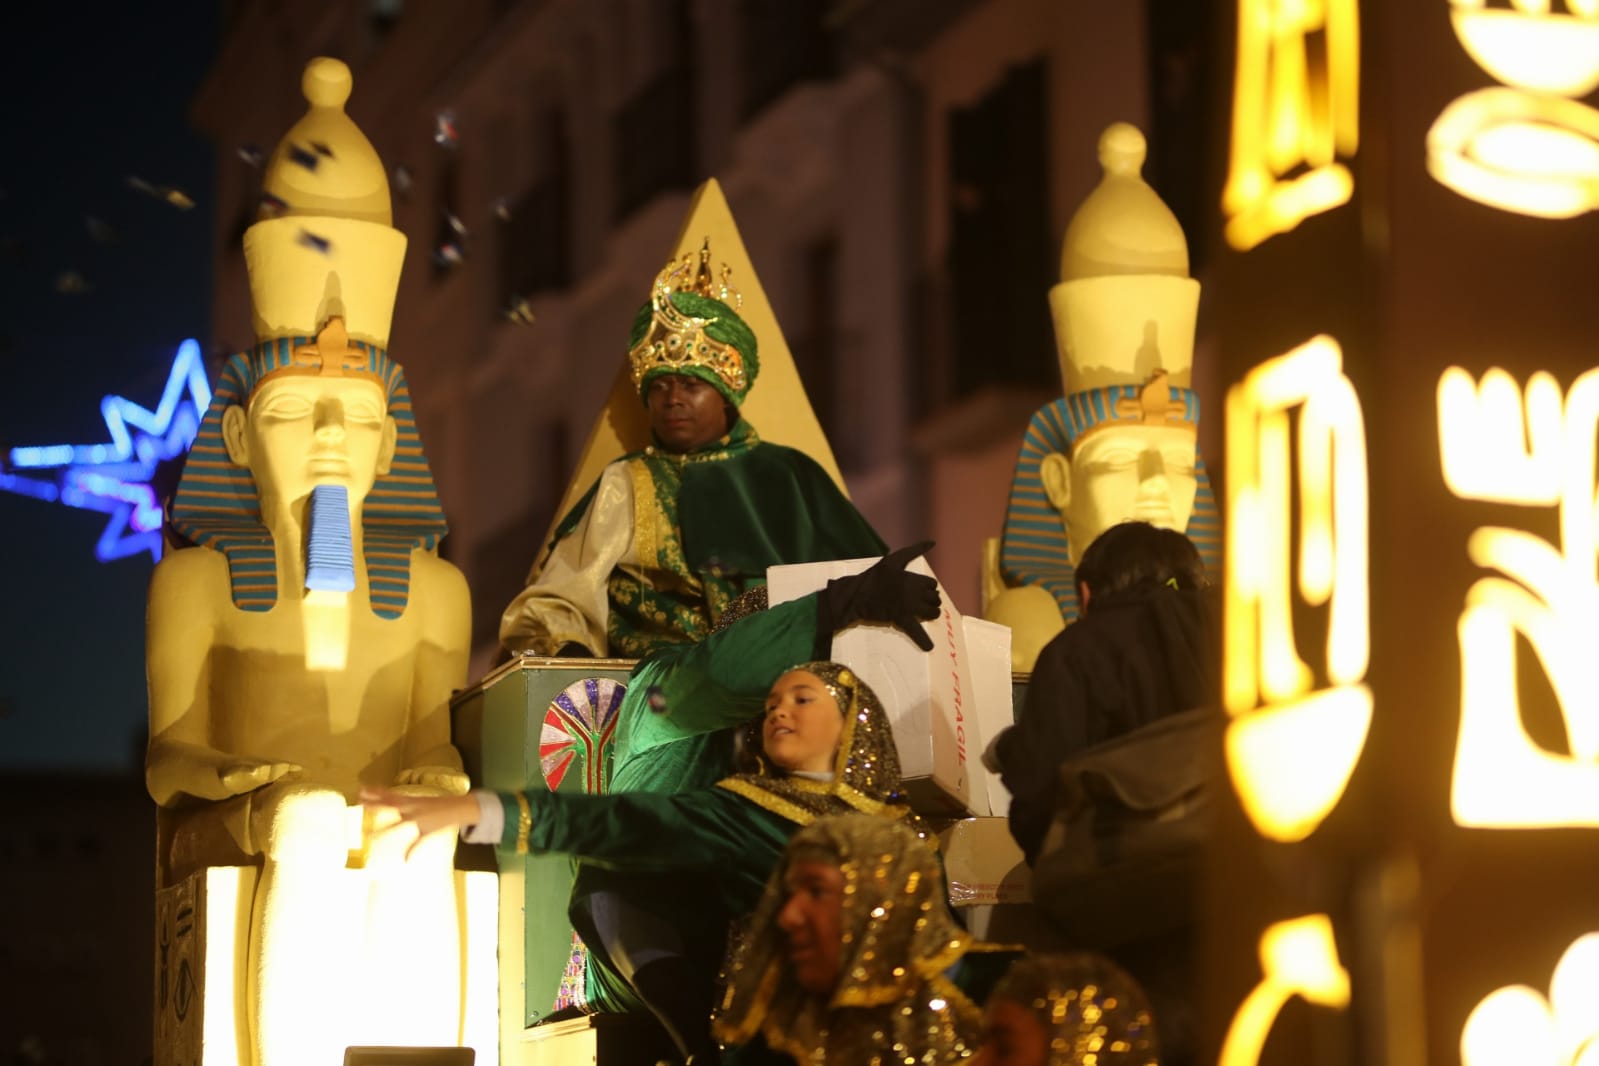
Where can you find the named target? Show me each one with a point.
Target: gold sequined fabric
(752, 601)
(893, 1003)
(1092, 1010)
(865, 773)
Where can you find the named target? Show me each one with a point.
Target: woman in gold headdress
(1067, 1010)
(825, 748)
(848, 955)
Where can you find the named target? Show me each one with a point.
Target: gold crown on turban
(677, 342)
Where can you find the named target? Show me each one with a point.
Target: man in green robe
(669, 536)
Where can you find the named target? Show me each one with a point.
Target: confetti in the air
(71, 283)
(520, 312)
(314, 242)
(176, 197)
(444, 132)
(272, 206)
(402, 179)
(456, 224)
(250, 155)
(448, 254)
(101, 230)
(656, 699)
(502, 209)
(303, 157)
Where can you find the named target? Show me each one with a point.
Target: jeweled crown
(675, 341)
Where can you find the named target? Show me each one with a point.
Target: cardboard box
(939, 703)
(990, 885)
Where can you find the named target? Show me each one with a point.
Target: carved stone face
(1123, 471)
(304, 430)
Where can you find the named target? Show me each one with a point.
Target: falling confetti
(71, 283)
(250, 155)
(176, 197)
(520, 312)
(402, 179)
(272, 206)
(656, 699)
(315, 243)
(448, 254)
(444, 132)
(502, 209)
(303, 157)
(100, 230)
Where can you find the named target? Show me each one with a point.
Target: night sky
(98, 93)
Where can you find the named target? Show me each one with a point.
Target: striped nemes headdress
(217, 504)
(1034, 549)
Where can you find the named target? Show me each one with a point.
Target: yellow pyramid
(777, 405)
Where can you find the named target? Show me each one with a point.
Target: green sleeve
(717, 683)
(708, 829)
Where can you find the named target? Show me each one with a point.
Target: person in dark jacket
(1148, 644)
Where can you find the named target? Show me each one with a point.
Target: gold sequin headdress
(893, 1002)
(1090, 1009)
(694, 329)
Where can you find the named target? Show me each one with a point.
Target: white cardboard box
(944, 705)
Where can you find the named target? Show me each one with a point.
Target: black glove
(885, 594)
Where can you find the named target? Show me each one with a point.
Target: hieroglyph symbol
(1527, 448)
(1294, 740)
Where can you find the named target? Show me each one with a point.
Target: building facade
(901, 173)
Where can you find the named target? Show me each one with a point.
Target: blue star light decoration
(114, 477)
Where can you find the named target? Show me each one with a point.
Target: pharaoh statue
(307, 640)
(1121, 443)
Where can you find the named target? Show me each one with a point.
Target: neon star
(114, 477)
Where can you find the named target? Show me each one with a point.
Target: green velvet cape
(723, 513)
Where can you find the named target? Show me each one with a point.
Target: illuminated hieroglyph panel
(1297, 958)
(1292, 745)
(1534, 449)
(1528, 145)
(1519, 1026)
(1296, 101)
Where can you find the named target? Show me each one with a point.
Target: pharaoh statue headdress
(324, 265)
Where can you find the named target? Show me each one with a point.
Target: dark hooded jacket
(1134, 657)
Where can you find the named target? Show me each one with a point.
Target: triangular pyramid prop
(776, 406)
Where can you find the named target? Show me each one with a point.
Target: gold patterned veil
(865, 773)
(1091, 1009)
(893, 1002)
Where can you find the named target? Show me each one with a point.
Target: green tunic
(710, 829)
(674, 730)
(709, 524)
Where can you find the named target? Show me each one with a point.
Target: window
(816, 345)
(1001, 259)
(535, 237)
(783, 43)
(654, 132)
(1180, 77)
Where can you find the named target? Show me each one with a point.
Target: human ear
(391, 436)
(1056, 473)
(234, 436)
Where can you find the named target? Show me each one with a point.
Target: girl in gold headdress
(825, 748)
(850, 952)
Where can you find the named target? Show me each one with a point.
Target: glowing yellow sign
(1501, 445)
(1291, 747)
(1297, 957)
(1532, 148)
(1296, 103)
(1517, 1026)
